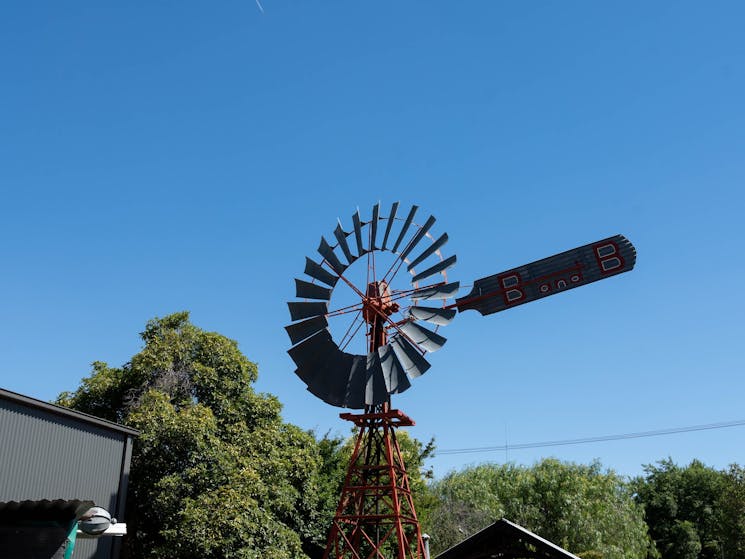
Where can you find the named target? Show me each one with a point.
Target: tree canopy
(215, 472)
(584, 509)
(694, 512)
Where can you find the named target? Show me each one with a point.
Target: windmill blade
(394, 375)
(437, 292)
(441, 317)
(374, 225)
(325, 250)
(391, 217)
(411, 360)
(307, 290)
(325, 369)
(421, 336)
(358, 233)
(441, 266)
(341, 236)
(434, 247)
(407, 223)
(312, 376)
(316, 271)
(314, 350)
(330, 383)
(376, 391)
(418, 237)
(555, 274)
(355, 390)
(304, 309)
(301, 330)
(346, 380)
(337, 378)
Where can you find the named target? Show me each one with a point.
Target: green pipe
(71, 537)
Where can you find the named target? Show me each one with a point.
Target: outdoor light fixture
(98, 522)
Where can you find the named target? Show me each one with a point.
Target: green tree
(694, 511)
(733, 513)
(584, 509)
(215, 472)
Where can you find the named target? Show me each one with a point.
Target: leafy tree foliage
(733, 513)
(215, 472)
(335, 452)
(584, 509)
(694, 512)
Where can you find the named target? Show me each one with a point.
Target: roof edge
(539, 538)
(515, 529)
(66, 412)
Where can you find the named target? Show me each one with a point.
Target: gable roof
(505, 540)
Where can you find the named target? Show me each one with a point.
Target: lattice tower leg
(376, 518)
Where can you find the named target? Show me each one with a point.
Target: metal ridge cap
(66, 412)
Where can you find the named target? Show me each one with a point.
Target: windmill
(376, 517)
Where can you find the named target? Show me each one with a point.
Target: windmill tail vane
(549, 276)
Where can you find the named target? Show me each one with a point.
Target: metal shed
(49, 452)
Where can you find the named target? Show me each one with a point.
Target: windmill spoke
(345, 310)
(370, 264)
(401, 294)
(371, 255)
(347, 337)
(395, 268)
(344, 279)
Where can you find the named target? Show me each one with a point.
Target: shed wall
(47, 456)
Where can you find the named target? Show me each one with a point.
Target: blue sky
(165, 156)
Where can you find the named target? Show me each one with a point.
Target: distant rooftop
(506, 540)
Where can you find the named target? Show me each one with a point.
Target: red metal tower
(376, 517)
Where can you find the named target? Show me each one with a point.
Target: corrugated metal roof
(65, 412)
(59, 509)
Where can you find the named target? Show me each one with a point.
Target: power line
(602, 438)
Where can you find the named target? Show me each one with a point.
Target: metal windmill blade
(433, 315)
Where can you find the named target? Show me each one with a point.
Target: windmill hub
(377, 302)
